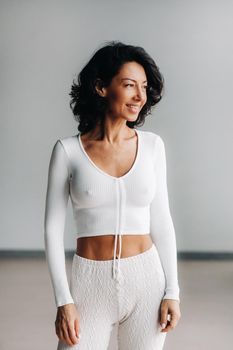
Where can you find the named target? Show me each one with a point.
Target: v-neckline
(102, 171)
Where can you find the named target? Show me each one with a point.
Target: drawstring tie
(117, 271)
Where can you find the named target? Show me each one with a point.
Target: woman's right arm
(54, 223)
(67, 322)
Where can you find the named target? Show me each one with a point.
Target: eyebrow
(132, 80)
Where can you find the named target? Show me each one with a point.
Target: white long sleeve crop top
(135, 203)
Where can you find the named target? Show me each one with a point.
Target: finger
(170, 325)
(174, 320)
(167, 321)
(76, 328)
(71, 332)
(66, 336)
(62, 336)
(167, 328)
(163, 318)
(59, 332)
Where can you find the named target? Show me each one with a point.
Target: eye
(145, 87)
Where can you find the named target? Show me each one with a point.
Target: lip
(134, 109)
(131, 104)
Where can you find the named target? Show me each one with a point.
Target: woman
(115, 176)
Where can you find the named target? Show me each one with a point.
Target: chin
(132, 118)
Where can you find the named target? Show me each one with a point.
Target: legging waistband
(138, 258)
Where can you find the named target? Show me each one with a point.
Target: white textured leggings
(132, 301)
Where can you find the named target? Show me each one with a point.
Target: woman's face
(127, 93)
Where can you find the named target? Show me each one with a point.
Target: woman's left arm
(163, 234)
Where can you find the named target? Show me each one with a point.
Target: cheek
(114, 96)
(114, 100)
(118, 101)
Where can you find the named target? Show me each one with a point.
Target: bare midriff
(102, 247)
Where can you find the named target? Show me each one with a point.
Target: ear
(99, 88)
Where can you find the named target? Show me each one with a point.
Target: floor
(28, 310)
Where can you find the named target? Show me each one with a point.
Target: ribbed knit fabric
(135, 203)
(131, 301)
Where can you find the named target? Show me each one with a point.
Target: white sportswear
(135, 203)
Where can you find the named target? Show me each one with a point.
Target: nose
(139, 93)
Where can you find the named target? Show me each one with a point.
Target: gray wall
(45, 43)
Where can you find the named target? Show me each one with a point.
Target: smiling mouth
(133, 108)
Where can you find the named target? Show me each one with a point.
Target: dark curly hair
(88, 106)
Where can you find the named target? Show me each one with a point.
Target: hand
(67, 324)
(169, 307)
